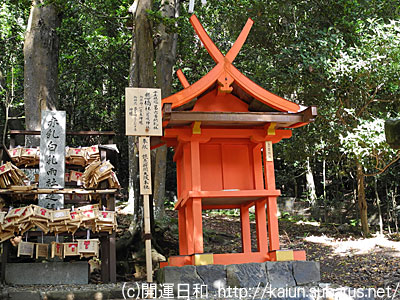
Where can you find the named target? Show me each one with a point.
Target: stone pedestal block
(47, 273)
(306, 272)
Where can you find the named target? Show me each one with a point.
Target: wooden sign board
(42, 250)
(143, 112)
(145, 165)
(25, 248)
(52, 157)
(269, 155)
(56, 249)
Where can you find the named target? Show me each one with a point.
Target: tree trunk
(165, 60)
(310, 186)
(362, 202)
(324, 187)
(378, 204)
(41, 49)
(394, 210)
(141, 75)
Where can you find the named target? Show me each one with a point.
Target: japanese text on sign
(52, 157)
(144, 165)
(143, 112)
(269, 155)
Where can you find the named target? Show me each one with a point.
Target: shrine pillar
(245, 228)
(272, 208)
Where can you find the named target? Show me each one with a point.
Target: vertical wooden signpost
(143, 119)
(52, 157)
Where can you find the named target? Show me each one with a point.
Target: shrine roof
(226, 79)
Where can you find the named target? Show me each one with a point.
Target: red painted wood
(245, 226)
(198, 225)
(273, 228)
(237, 170)
(221, 103)
(183, 249)
(261, 227)
(189, 227)
(211, 163)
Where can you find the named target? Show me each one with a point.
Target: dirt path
(346, 258)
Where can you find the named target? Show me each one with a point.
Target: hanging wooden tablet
(41, 212)
(15, 154)
(106, 216)
(6, 235)
(76, 177)
(2, 217)
(75, 216)
(92, 153)
(70, 249)
(106, 221)
(86, 207)
(25, 248)
(89, 214)
(29, 227)
(56, 249)
(7, 223)
(26, 214)
(42, 250)
(5, 168)
(88, 247)
(42, 226)
(59, 215)
(72, 228)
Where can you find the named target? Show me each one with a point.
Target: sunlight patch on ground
(357, 246)
(312, 223)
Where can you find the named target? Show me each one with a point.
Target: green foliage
(341, 55)
(12, 24)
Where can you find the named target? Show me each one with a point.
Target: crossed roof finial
(225, 74)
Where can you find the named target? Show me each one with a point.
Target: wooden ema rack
(222, 129)
(107, 241)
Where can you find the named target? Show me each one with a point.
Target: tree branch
(372, 98)
(386, 167)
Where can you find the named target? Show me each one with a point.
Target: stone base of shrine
(222, 278)
(47, 273)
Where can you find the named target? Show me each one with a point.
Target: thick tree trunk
(41, 49)
(165, 60)
(141, 75)
(362, 202)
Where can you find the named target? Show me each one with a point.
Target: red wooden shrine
(222, 128)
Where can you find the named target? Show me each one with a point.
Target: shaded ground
(346, 258)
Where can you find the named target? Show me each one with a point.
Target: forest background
(340, 55)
